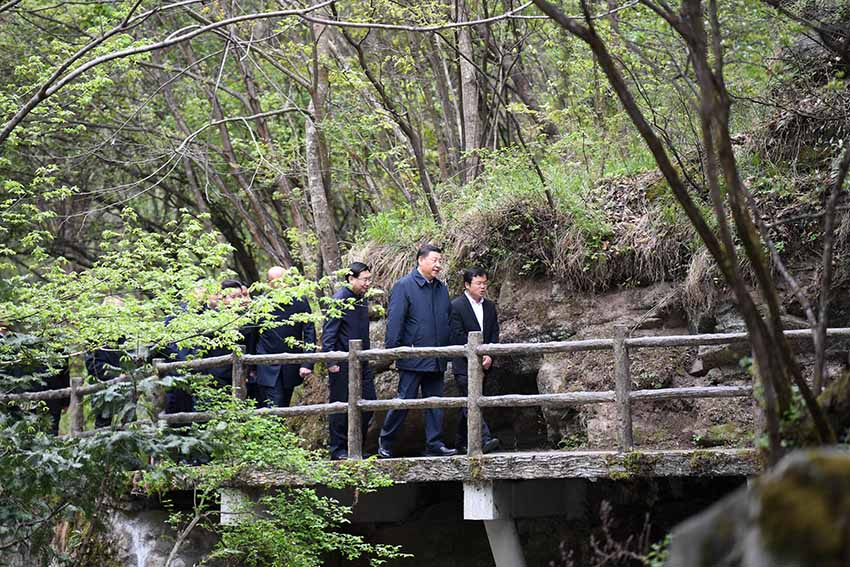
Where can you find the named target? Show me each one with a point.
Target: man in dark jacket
(337, 331)
(471, 311)
(178, 400)
(35, 375)
(418, 316)
(104, 364)
(233, 292)
(275, 383)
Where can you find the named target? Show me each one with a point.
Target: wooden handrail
(474, 402)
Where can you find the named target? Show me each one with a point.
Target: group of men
(420, 314)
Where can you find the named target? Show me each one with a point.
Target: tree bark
(469, 96)
(318, 176)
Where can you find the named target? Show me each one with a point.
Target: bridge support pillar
(235, 504)
(493, 503)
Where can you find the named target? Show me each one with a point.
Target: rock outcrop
(797, 515)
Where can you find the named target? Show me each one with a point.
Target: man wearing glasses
(418, 316)
(352, 324)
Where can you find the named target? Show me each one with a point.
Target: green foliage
(296, 526)
(400, 225)
(658, 553)
(50, 481)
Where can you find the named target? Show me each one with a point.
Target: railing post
(239, 376)
(76, 417)
(157, 400)
(355, 393)
(475, 386)
(623, 379)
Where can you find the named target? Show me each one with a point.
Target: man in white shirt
(472, 311)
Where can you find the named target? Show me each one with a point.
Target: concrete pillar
(235, 505)
(493, 503)
(504, 543)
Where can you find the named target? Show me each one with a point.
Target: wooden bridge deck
(614, 465)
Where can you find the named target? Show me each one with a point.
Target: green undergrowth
(619, 228)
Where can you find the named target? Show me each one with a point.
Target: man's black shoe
(384, 453)
(490, 445)
(341, 456)
(441, 451)
(461, 449)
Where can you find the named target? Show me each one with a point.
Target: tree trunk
(775, 364)
(469, 96)
(318, 176)
(308, 256)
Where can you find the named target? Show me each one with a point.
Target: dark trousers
(103, 419)
(461, 436)
(178, 401)
(409, 383)
(338, 422)
(275, 396)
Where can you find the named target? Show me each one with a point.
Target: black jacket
(273, 341)
(224, 374)
(354, 323)
(463, 321)
(104, 364)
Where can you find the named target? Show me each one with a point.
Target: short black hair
(356, 268)
(232, 284)
(470, 273)
(426, 249)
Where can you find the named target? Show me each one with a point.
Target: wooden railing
(622, 395)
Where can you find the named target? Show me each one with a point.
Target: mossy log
(552, 464)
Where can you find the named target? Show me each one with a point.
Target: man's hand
(333, 369)
(486, 362)
(304, 372)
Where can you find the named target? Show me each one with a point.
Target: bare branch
(399, 27)
(52, 85)
(9, 5)
(826, 266)
(244, 119)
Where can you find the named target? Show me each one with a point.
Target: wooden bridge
(613, 463)
(493, 482)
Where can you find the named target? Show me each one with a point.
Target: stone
(715, 376)
(794, 516)
(145, 539)
(698, 369)
(651, 323)
(723, 355)
(720, 435)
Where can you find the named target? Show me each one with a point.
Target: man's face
(477, 289)
(236, 295)
(431, 265)
(361, 283)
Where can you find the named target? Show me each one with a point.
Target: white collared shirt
(477, 308)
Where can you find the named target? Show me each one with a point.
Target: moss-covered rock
(797, 515)
(804, 513)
